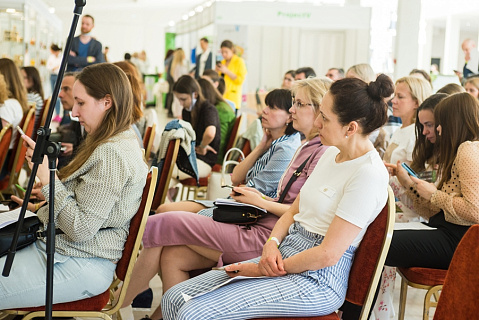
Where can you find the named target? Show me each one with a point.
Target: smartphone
(223, 269)
(409, 170)
(231, 187)
(20, 130)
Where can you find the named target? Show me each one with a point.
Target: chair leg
(402, 299)
(428, 304)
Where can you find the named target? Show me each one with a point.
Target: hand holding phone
(231, 187)
(20, 130)
(409, 170)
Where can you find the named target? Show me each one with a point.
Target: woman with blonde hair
(177, 69)
(181, 241)
(409, 93)
(472, 86)
(452, 205)
(13, 108)
(136, 88)
(361, 71)
(178, 64)
(97, 194)
(305, 263)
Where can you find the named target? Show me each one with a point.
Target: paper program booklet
(9, 217)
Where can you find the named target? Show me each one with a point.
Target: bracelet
(37, 206)
(275, 240)
(263, 196)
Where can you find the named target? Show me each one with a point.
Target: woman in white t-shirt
(308, 257)
(409, 94)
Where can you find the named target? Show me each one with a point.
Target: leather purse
(228, 211)
(28, 234)
(237, 214)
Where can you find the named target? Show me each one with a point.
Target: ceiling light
(185, 17)
(51, 9)
(192, 13)
(10, 10)
(209, 3)
(199, 9)
(171, 23)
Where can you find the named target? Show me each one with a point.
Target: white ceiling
(167, 10)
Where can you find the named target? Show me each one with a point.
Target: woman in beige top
(454, 205)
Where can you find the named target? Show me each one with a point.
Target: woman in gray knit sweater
(96, 196)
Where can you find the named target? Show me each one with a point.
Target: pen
(20, 130)
(223, 269)
(19, 187)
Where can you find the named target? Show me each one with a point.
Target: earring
(346, 136)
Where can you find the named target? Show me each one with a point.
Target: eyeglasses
(299, 105)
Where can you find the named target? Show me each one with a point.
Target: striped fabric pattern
(264, 176)
(309, 293)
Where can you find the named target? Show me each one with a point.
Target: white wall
(437, 50)
(125, 32)
(278, 37)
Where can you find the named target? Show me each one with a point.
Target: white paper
(4, 208)
(9, 217)
(416, 225)
(238, 278)
(231, 202)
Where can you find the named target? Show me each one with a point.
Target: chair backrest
(45, 109)
(165, 174)
(234, 133)
(16, 162)
(137, 227)
(148, 139)
(27, 125)
(458, 299)
(5, 138)
(370, 256)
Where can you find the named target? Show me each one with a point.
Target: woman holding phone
(233, 69)
(304, 266)
(96, 195)
(451, 206)
(424, 157)
(178, 242)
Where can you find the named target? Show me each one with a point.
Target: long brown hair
(210, 93)
(136, 85)
(425, 151)
(101, 80)
(13, 78)
(188, 85)
(34, 76)
(458, 116)
(3, 89)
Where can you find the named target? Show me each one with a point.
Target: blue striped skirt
(310, 293)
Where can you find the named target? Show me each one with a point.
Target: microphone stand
(51, 149)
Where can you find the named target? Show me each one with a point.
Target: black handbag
(228, 211)
(28, 234)
(236, 214)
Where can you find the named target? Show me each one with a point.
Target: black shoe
(143, 300)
